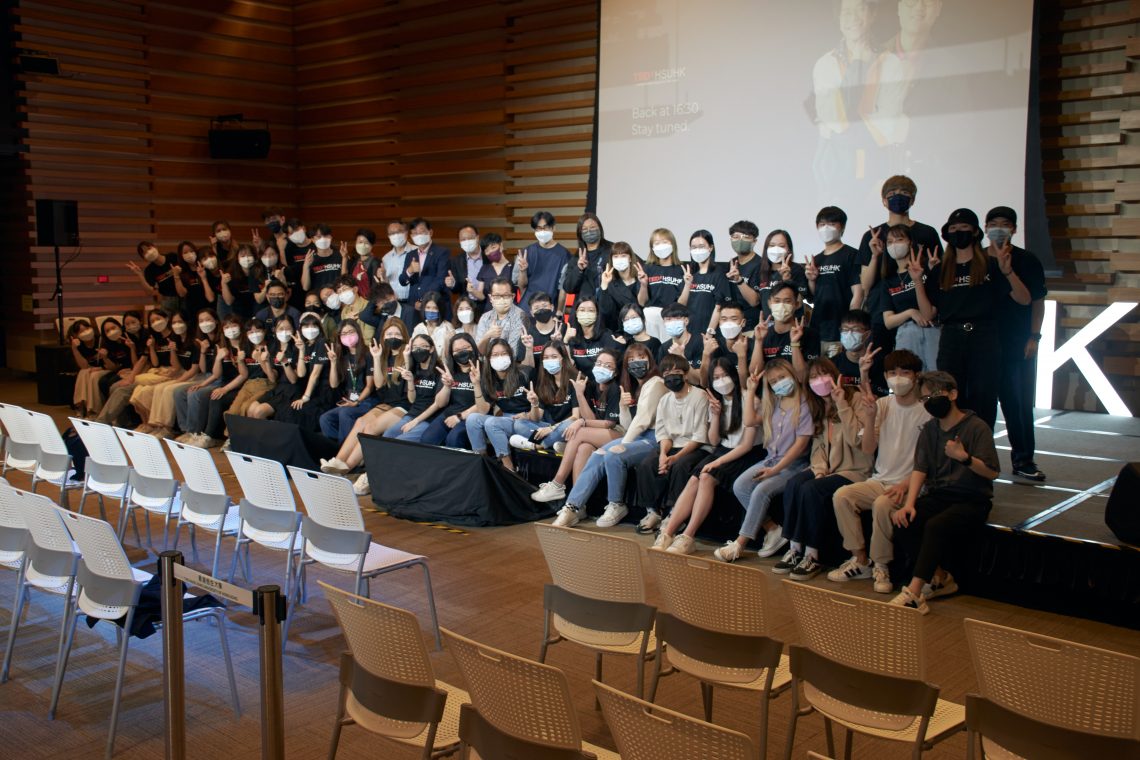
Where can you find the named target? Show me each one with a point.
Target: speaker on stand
(57, 225)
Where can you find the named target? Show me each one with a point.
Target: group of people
(762, 374)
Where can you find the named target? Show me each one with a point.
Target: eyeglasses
(929, 396)
(741, 236)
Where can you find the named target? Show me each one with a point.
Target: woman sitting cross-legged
(505, 384)
(553, 403)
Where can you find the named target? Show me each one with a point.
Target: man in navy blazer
(426, 269)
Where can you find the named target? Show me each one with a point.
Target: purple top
(786, 428)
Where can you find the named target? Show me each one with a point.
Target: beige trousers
(849, 502)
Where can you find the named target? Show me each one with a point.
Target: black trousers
(652, 488)
(942, 525)
(807, 505)
(974, 359)
(1016, 394)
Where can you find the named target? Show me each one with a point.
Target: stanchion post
(269, 606)
(173, 666)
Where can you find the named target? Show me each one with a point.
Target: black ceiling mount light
(231, 136)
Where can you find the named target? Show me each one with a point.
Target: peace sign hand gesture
(785, 268)
(914, 266)
(714, 404)
(607, 276)
(797, 332)
(733, 272)
(761, 330)
(932, 258)
(1005, 258)
(642, 277)
(255, 238)
(583, 259)
(867, 360)
(876, 242)
(445, 376)
(531, 396)
(330, 349)
(520, 260)
(811, 271)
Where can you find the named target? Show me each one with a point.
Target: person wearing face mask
(162, 277)
(504, 385)
(392, 265)
(189, 397)
(222, 341)
(264, 361)
(777, 264)
(352, 373)
(837, 459)
(155, 366)
(210, 273)
(706, 284)
(544, 327)
(553, 403)
(200, 293)
(230, 373)
(788, 423)
(955, 464)
(466, 313)
(590, 337)
(298, 245)
(783, 335)
(303, 394)
(833, 279)
(744, 270)
(427, 266)
(276, 306)
(1019, 328)
(387, 358)
(855, 335)
(429, 390)
(433, 325)
(471, 260)
(222, 240)
(541, 266)
(632, 324)
(891, 424)
(504, 320)
(359, 261)
(729, 342)
(153, 400)
(495, 267)
(242, 282)
(89, 363)
(682, 342)
(274, 220)
(273, 267)
(192, 358)
(969, 290)
(351, 305)
(901, 298)
(621, 281)
(584, 272)
(119, 357)
(899, 193)
(736, 449)
(449, 428)
(664, 281)
(324, 266)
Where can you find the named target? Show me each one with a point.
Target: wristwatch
(1035, 336)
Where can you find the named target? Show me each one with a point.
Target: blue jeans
(921, 341)
(756, 496)
(439, 434)
(416, 434)
(481, 427)
(337, 422)
(188, 406)
(614, 465)
(557, 435)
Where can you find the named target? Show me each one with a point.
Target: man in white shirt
(892, 424)
(393, 262)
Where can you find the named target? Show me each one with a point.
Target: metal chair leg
(21, 594)
(220, 619)
(339, 724)
(119, 684)
(65, 656)
(431, 607)
(847, 742)
(707, 700)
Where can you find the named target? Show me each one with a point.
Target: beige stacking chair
(644, 731)
(387, 685)
(718, 630)
(1040, 695)
(519, 708)
(597, 598)
(863, 666)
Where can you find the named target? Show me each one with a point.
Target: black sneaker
(1029, 472)
(790, 560)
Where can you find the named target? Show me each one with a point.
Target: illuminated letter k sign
(1050, 358)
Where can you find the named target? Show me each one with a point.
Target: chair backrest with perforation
(863, 633)
(101, 442)
(1056, 681)
(593, 565)
(713, 595)
(99, 546)
(44, 521)
(13, 531)
(384, 640)
(146, 454)
(198, 469)
(328, 499)
(17, 423)
(644, 731)
(47, 434)
(520, 697)
(263, 481)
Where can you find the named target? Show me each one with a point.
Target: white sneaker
(567, 517)
(227, 445)
(850, 570)
(882, 579)
(774, 541)
(200, 440)
(184, 438)
(334, 466)
(650, 522)
(664, 540)
(211, 443)
(612, 516)
(906, 599)
(522, 443)
(944, 587)
(559, 447)
(549, 491)
(361, 487)
(682, 544)
(730, 552)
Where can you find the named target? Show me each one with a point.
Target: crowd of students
(859, 378)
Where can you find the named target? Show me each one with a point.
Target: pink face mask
(349, 340)
(822, 385)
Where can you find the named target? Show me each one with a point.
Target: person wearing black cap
(1020, 329)
(969, 290)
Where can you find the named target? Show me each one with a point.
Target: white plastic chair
(107, 469)
(21, 447)
(67, 323)
(54, 462)
(335, 537)
(267, 513)
(13, 531)
(152, 486)
(205, 503)
(109, 589)
(50, 561)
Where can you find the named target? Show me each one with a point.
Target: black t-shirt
(1015, 320)
(750, 274)
(516, 402)
(253, 366)
(188, 353)
(162, 277)
(896, 294)
(118, 352)
(765, 285)
(395, 391)
(779, 345)
(584, 351)
(162, 350)
(324, 272)
(651, 343)
(722, 349)
(195, 299)
(229, 364)
(427, 385)
(694, 349)
(462, 394)
(90, 356)
(849, 373)
(541, 341)
(561, 410)
(605, 404)
(710, 289)
(962, 303)
(614, 298)
(353, 380)
(665, 283)
(921, 236)
(139, 339)
(838, 274)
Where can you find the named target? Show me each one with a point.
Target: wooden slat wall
(1090, 93)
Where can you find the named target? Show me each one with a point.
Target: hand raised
(583, 259)
(520, 260)
(867, 360)
(876, 242)
(797, 331)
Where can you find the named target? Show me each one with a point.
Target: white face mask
(207, 327)
(663, 250)
(151, 255)
(284, 336)
(730, 329)
(311, 332)
(245, 262)
(500, 363)
(465, 316)
(900, 386)
(114, 334)
(776, 253)
(544, 236)
(398, 240)
(223, 236)
(363, 249)
(346, 297)
(468, 246)
(621, 263)
(333, 301)
(232, 332)
(297, 237)
(828, 233)
(699, 255)
(421, 240)
(255, 338)
(89, 334)
(178, 328)
(781, 312)
(323, 243)
(190, 257)
(269, 261)
(158, 325)
(210, 264)
(723, 385)
(898, 251)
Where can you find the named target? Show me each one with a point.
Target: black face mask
(274, 226)
(420, 355)
(638, 368)
(389, 308)
(674, 382)
(543, 315)
(938, 406)
(277, 303)
(900, 204)
(961, 238)
(464, 357)
(316, 308)
(393, 344)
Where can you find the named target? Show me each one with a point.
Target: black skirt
(727, 474)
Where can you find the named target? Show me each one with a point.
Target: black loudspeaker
(1122, 513)
(239, 143)
(55, 375)
(57, 223)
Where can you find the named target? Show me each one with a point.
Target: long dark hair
(732, 424)
(358, 353)
(452, 364)
(821, 408)
(766, 264)
(433, 362)
(553, 389)
(628, 382)
(490, 380)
